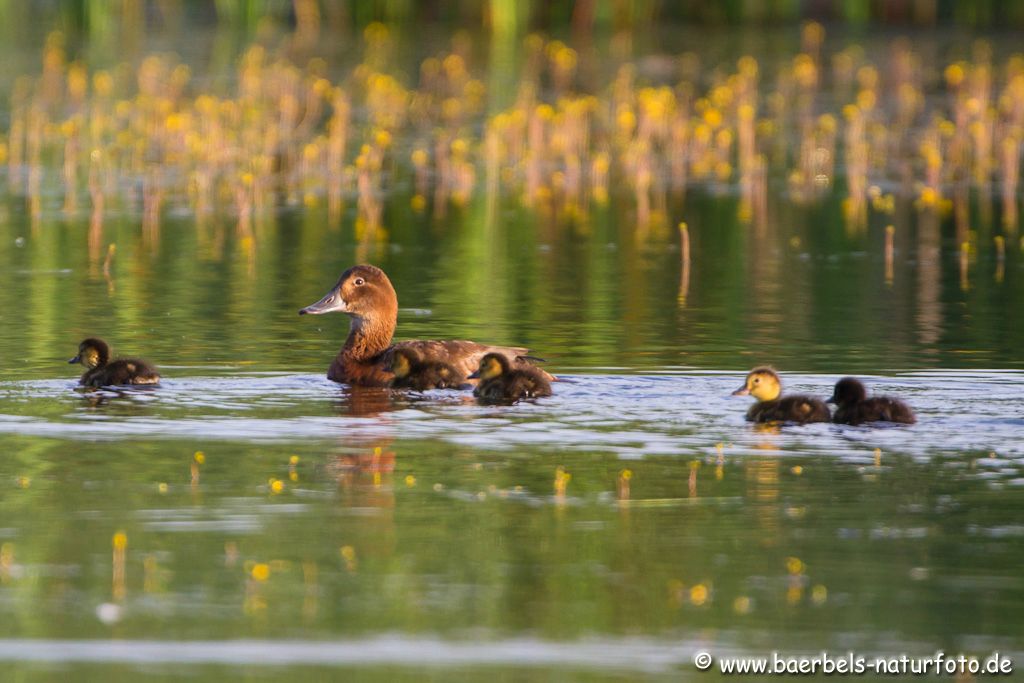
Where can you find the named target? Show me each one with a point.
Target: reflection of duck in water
(365, 293)
(853, 406)
(764, 385)
(500, 382)
(412, 372)
(100, 371)
(357, 401)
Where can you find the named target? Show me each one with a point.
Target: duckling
(499, 382)
(412, 372)
(853, 406)
(764, 385)
(366, 295)
(94, 354)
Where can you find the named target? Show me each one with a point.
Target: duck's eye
(757, 380)
(359, 282)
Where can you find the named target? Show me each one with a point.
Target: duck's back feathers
(463, 355)
(875, 409)
(795, 408)
(121, 372)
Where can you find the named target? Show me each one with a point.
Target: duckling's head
(491, 365)
(402, 361)
(92, 353)
(762, 383)
(363, 292)
(848, 390)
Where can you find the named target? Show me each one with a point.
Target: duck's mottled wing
(530, 383)
(129, 371)
(464, 356)
(885, 409)
(802, 409)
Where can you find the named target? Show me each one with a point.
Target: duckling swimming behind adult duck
(94, 354)
(764, 385)
(366, 295)
(412, 372)
(500, 382)
(853, 407)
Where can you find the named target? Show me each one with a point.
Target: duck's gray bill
(331, 302)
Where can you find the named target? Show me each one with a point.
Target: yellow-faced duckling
(412, 372)
(100, 371)
(366, 295)
(764, 385)
(500, 382)
(853, 407)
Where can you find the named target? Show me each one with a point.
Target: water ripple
(677, 413)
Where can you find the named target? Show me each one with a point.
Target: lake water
(250, 519)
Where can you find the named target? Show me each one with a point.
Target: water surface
(607, 533)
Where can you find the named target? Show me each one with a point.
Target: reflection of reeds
(1000, 243)
(119, 579)
(684, 257)
(890, 249)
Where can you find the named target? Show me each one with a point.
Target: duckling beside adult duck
(853, 407)
(100, 371)
(366, 295)
(412, 372)
(764, 385)
(499, 382)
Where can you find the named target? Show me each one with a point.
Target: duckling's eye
(757, 380)
(359, 282)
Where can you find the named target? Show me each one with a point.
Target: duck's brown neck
(367, 337)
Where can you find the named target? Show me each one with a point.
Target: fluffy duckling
(100, 371)
(853, 406)
(412, 372)
(499, 382)
(366, 295)
(764, 385)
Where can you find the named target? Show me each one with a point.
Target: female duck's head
(491, 365)
(92, 353)
(363, 292)
(762, 383)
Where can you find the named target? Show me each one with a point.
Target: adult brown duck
(100, 371)
(366, 295)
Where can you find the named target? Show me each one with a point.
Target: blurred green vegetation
(95, 18)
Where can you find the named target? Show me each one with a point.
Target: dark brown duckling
(499, 382)
(366, 295)
(764, 385)
(412, 372)
(853, 407)
(94, 354)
